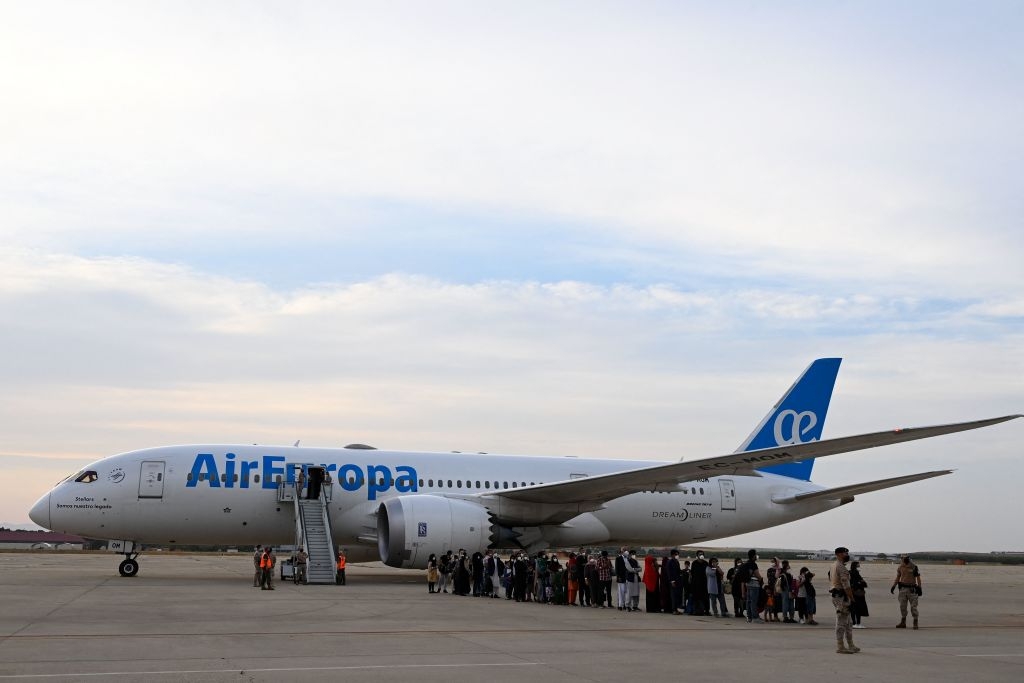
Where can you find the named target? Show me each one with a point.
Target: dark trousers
(340, 578)
(677, 597)
(606, 591)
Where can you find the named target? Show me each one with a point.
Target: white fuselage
(218, 494)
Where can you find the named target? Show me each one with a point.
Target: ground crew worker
(340, 579)
(908, 580)
(301, 558)
(842, 600)
(257, 577)
(267, 562)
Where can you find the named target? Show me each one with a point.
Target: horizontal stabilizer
(841, 492)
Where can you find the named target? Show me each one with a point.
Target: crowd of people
(668, 584)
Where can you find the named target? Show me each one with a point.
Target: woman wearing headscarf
(651, 582)
(432, 573)
(859, 608)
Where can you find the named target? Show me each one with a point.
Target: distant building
(39, 540)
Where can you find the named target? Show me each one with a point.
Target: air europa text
(350, 477)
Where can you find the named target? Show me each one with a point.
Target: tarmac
(70, 617)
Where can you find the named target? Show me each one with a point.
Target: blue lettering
(379, 480)
(204, 465)
(356, 482)
(406, 482)
(269, 471)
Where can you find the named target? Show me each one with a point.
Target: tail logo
(798, 425)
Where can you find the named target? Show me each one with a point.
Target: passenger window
(421, 483)
(255, 478)
(505, 485)
(87, 477)
(459, 483)
(223, 478)
(524, 483)
(478, 484)
(430, 482)
(487, 484)
(702, 490)
(188, 477)
(449, 483)
(277, 479)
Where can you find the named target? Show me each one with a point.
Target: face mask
(700, 557)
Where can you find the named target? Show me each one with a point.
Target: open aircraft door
(728, 487)
(151, 480)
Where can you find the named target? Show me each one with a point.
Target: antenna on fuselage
(296, 444)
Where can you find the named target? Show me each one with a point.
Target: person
(842, 601)
(257, 572)
(908, 580)
(267, 563)
(811, 597)
(770, 597)
(342, 562)
(462, 573)
(652, 583)
(860, 602)
(604, 575)
(801, 596)
(685, 578)
(735, 587)
(301, 558)
(715, 590)
(444, 570)
(675, 578)
(784, 584)
(520, 574)
(621, 572)
(699, 585)
(664, 586)
(431, 573)
(581, 570)
(494, 569)
(476, 566)
(633, 581)
(590, 578)
(540, 567)
(572, 579)
(750, 575)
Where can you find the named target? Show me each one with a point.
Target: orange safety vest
(265, 561)
(341, 561)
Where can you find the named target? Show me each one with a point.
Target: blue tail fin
(798, 417)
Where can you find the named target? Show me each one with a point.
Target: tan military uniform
(840, 600)
(907, 576)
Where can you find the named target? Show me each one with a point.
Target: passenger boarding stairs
(312, 528)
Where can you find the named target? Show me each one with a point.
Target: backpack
(781, 583)
(742, 574)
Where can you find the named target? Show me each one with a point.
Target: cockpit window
(87, 477)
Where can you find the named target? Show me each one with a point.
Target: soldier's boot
(841, 649)
(915, 623)
(903, 623)
(850, 646)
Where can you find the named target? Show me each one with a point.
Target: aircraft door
(151, 480)
(728, 488)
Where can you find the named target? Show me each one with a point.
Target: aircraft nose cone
(40, 512)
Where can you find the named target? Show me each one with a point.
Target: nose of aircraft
(40, 512)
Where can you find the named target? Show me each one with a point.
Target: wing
(848, 492)
(559, 501)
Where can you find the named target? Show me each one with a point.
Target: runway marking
(273, 670)
(1006, 655)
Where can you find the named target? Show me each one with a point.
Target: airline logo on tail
(797, 426)
(798, 417)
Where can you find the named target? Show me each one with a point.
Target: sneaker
(859, 626)
(759, 620)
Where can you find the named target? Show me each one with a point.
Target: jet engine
(410, 528)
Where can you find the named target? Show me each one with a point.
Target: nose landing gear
(130, 567)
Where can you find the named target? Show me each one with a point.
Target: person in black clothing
(675, 581)
(461, 586)
(699, 585)
(581, 571)
(684, 578)
(735, 587)
(477, 569)
(520, 572)
(859, 608)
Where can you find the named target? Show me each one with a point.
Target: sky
(599, 229)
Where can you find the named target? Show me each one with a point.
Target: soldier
(257, 577)
(908, 580)
(842, 600)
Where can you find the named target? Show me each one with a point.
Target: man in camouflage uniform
(908, 580)
(842, 600)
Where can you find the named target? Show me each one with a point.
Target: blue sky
(589, 228)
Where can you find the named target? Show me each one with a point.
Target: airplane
(401, 507)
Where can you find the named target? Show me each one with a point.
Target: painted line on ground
(241, 671)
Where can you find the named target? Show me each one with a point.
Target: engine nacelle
(410, 528)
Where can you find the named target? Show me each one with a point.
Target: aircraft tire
(128, 568)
